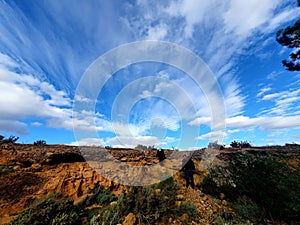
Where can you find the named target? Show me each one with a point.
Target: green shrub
(4, 169)
(248, 210)
(107, 215)
(147, 203)
(167, 184)
(50, 211)
(272, 185)
(189, 209)
(241, 144)
(39, 143)
(100, 196)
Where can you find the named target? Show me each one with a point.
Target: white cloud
(25, 96)
(211, 135)
(285, 102)
(82, 99)
(271, 96)
(233, 131)
(244, 16)
(13, 126)
(131, 142)
(264, 122)
(218, 31)
(233, 27)
(22, 100)
(263, 91)
(233, 97)
(82, 122)
(6, 61)
(36, 124)
(158, 32)
(200, 121)
(283, 17)
(193, 11)
(89, 142)
(171, 139)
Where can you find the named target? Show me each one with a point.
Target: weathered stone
(157, 190)
(129, 219)
(184, 217)
(113, 203)
(180, 197)
(16, 167)
(36, 166)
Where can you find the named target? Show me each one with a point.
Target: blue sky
(46, 47)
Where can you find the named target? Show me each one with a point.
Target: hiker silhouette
(189, 168)
(160, 155)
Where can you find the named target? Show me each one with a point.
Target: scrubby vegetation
(259, 187)
(155, 203)
(51, 210)
(12, 139)
(148, 204)
(240, 144)
(245, 187)
(4, 169)
(39, 143)
(100, 196)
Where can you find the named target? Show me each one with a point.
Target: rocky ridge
(32, 172)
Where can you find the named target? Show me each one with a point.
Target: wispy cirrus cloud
(26, 97)
(284, 102)
(47, 46)
(49, 38)
(131, 142)
(263, 122)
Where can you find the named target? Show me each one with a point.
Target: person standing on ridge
(189, 169)
(160, 155)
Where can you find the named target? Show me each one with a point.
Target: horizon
(48, 48)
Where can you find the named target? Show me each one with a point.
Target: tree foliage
(12, 139)
(39, 143)
(290, 37)
(240, 144)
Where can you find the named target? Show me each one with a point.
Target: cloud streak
(45, 47)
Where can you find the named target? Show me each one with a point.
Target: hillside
(31, 172)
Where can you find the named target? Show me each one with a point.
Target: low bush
(106, 215)
(5, 169)
(269, 185)
(100, 196)
(12, 139)
(153, 203)
(248, 210)
(241, 144)
(39, 143)
(51, 210)
(189, 209)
